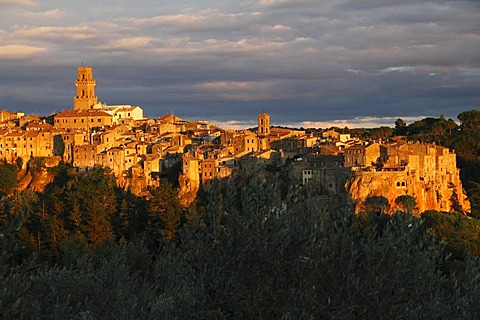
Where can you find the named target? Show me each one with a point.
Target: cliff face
(36, 175)
(136, 183)
(442, 193)
(188, 190)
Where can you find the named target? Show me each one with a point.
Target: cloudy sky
(305, 62)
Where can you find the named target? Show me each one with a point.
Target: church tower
(85, 84)
(263, 125)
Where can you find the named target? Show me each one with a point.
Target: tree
(165, 210)
(376, 204)
(407, 203)
(8, 178)
(470, 120)
(474, 197)
(381, 133)
(400, 127)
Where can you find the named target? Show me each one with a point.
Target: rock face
(188, 190)
(36, 175)
(426, 172)
(136, 182)
(436, 194)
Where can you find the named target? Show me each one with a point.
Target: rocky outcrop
(442, 193)
(188, 190)
(135, 182)
(37, 173)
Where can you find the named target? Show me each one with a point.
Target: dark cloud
(299, 60)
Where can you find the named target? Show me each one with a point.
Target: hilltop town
(137, 149)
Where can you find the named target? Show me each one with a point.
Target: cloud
(47, 14)
(357, 122)
(19, 3)
(130, 43)
(398, 69)
(235, 124)
(18, 52)
(235, 85)
(227, 60)
(209, 20)
(73, 33)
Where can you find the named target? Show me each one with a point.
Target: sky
(310, 63)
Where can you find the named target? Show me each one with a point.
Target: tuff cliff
(135, 182)
(36, 174)
(439, 194)
(188, 190)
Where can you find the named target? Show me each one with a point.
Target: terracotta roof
(83, 113)
(16, 134)
(32, 134)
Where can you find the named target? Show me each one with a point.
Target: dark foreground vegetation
(248, 249)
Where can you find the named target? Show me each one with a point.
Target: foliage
(8, 178)
(164, 211)
(407, 204)
(459, 231)
(381, 133)
(376, 204)
(249, 247)
(248, 250)
(400, 127)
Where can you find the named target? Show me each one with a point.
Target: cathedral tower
(85, 84)
(263, 125)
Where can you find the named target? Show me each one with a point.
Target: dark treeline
(249, 248)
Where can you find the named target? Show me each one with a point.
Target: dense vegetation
(247, 249)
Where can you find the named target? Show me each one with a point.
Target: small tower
(85, 84)
(263, 125)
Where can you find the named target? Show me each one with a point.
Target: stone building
(85, 84)
(426, 172)
(362, 155)
(124, 112)
(263, 125)
(82, 119)
(18, 143)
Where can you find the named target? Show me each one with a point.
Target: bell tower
(85, 84)
(263, 125)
